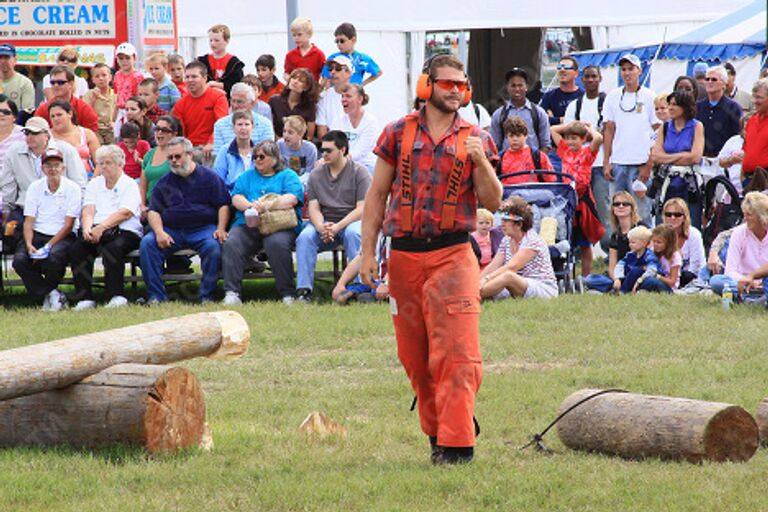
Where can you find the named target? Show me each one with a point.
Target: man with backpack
(589, 109)
(517, 105)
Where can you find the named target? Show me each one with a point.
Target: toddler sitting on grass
(638, 264)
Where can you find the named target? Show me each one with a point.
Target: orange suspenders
(406, 176)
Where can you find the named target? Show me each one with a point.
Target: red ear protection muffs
(424, 90)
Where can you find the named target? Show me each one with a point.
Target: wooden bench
(260, 270)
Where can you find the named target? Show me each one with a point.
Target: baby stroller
(685, 182)
(552, 199)
(722, 208)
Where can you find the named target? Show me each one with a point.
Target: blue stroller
(556, 199)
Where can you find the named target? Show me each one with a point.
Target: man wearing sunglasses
(555, 101)
(23, 165)
(63, 83)
(15, 85)
(434, 168)
(719, 114)
(329, 107)
(189, 209)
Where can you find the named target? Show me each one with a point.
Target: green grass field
(342, 361)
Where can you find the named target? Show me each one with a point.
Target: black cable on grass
(538, 439)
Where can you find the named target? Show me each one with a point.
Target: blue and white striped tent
(738, 37)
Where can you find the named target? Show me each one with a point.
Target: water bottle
(727, 297)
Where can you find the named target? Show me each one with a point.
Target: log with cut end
(762, 420)
(55, 364)
(639, 426)
(160, 408)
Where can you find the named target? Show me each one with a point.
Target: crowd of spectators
(204, 156)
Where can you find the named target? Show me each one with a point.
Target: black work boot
(452, 455)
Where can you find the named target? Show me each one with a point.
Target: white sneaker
(47, 303)
(117, 301)
(288, 300)
(83, 305)
(232, 299)
(56, 301)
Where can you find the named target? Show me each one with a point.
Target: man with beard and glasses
(189, 209)
(434, 167)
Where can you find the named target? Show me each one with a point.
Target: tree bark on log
(56, 364)
(639, 426)
(157, 407)
(762, 421)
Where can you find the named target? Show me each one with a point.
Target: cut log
(639, 426)
(56, 364)
(762, 421)
(157, 407)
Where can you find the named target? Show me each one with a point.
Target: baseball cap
(700, 69)
(632, 59)
(125, 49)
(52, 153)
(343, 60)
(36, 125)
(7, 49)
(516, 72)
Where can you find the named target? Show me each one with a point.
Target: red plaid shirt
(155, 112)
(431, 166)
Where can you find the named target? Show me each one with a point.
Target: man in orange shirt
(434, 167)
(199, 110)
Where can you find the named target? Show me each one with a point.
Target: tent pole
(291, 13)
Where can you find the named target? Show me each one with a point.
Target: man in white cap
(329, 107)
(52, 207)
(15, 85)
(22, 165)
(630, 121)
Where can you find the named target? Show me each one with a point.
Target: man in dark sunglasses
(15, 85)
(329, 107)
(63, 83)
(556, 101)
(719, 114)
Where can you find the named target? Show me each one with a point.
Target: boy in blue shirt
(639, 263)
(346, 38)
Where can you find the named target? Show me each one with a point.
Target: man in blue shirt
(555, 101)
(517, 105)
(189, 209)
(718, 113)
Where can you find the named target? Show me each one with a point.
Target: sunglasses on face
(30, 132)
(175, 157)
(73, 60)
(326, 150)
(336, 67)
(341, 41)
(617, 204)
(163, 129)
(260, 157)
(58, 82)
(568, 67)
(448, 85)
(711, 79)
(6, 112)
(673, 214)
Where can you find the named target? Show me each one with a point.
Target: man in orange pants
(434, 167)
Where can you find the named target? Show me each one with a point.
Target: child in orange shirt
(521, 157)
(224, 69)
(176, 72)
(577, 156)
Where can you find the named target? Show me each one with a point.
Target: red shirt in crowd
(198, 115)
(431, 168)
(182, 87)
(314, 60)
(273, 90)
(578, 164)
(126, 86)
(134, 158)
(218, 66)
(518, 161)
(755, 144)
(84, 113)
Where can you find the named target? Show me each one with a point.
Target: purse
(272, 221)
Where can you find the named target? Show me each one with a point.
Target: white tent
(738, 37)
(393, 32)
